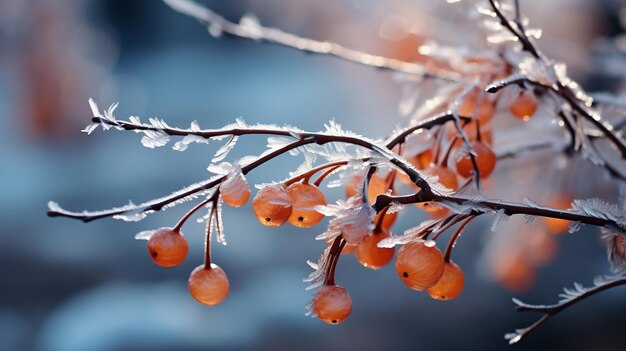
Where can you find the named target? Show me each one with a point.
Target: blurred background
(65, 285)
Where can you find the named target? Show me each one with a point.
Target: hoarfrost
(352, 219)
(146, 234)
(497, 220)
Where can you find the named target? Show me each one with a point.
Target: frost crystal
(410, 235)
(497, 220)
(146, 234)
(615, 248)
(352, 218)
(317, 277)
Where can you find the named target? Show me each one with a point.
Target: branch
(571, 297)
(249, 28)
(568, 96)
(305, 138)
(527, 44)
(479, 207)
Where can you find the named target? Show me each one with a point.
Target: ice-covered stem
(483, 206)
(401, 136)
(156, 205)
(568, 96)
(551, 310)
(305, 138)
(527, 44)
(249, 28)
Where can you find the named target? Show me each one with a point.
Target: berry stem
(184, 219)
(207, 238)
(454, 237)
(326, 173)
(335, 253)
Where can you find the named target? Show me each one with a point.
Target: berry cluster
(443, 156)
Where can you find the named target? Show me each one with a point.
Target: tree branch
(249, 28)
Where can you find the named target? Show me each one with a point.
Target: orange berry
(485, 160)
(556, 225)
(620, 245)
(304, 198)
(486, 135)
(485, 109)
(348, 248)
(514, 271)
(209, 286)
(235, 194)
(422, 160)
(450, 285)
(388, 220)
(434, 210)
(332, 304)
(447, 178)
(167, 248)
(372, 256)
(272, 205)
(377, 186)
(523, 105)
(542, 247)
(420, 266)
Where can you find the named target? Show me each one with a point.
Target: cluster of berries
(419, 264)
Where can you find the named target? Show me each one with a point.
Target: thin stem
(305, 139)
(454, 237)
(550, 310)
(184, 219)
(207, 238)
(326, 173)
(335, 251)
(527, 45)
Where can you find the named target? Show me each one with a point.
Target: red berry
(167, 248)
(332, 304)
(209, 286)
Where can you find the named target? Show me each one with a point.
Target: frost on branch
(600, 209)
(353, 219)
(615, 248)
(320, 269)
(412, 234)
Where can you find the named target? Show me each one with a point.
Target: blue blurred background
(65, 285)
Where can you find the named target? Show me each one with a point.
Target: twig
(550, 310)
(251, 29)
